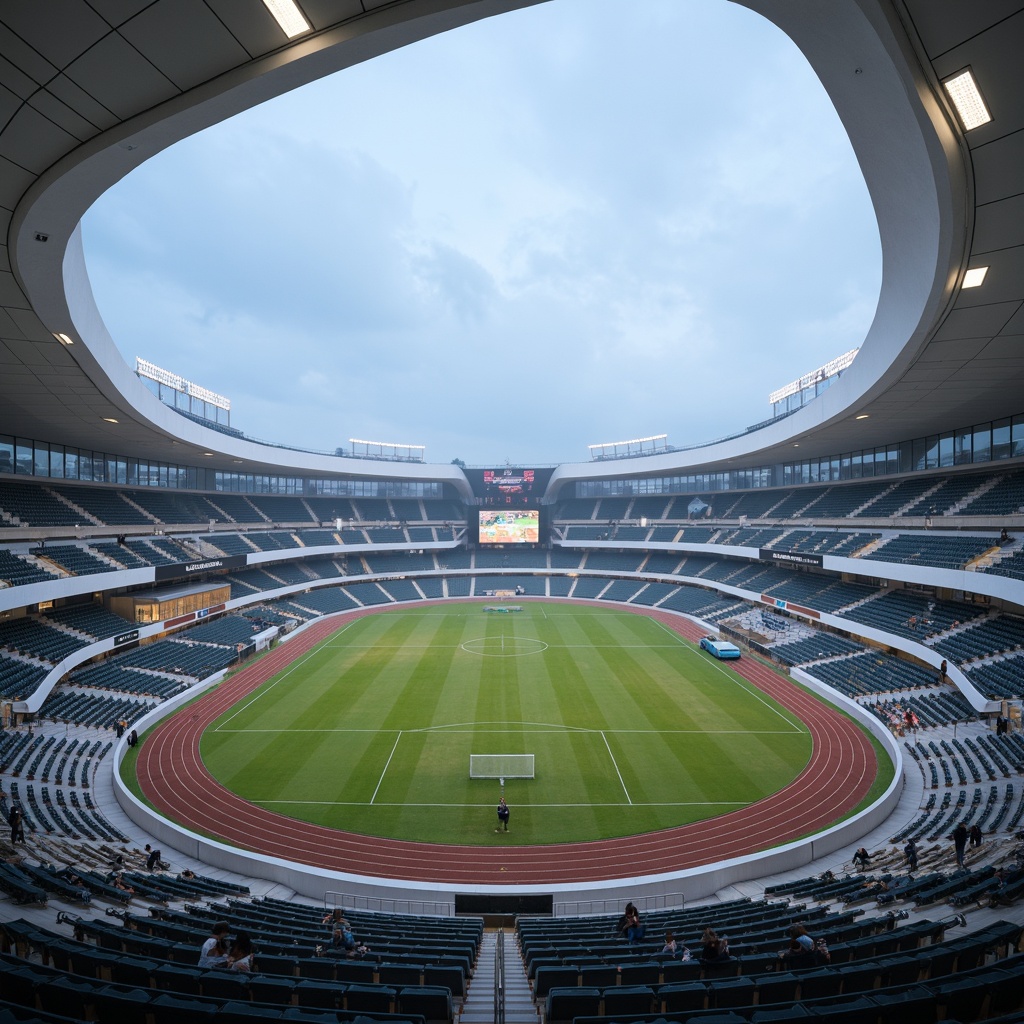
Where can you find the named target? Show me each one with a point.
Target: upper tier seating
(281, 508)
(911, 615)
(90, 618)
(29, 636)
(35, 505)
(998, 635)
(947, 552)
(105, 504)
(953, 489)
(17, 572)
(1006, 498)
(73, 559)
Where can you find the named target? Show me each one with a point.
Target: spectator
(16, 820)
(670, 944)
(959, 837)
(800, 952)
(975, 836)
(713, 950)
(636, 929)
(910, 854)
(241, 957)
(861, 859)
(153, 860)
(214, 952)
(624, 922)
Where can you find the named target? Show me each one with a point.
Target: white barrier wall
(695, 883)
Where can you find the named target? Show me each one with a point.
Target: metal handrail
(499, 978)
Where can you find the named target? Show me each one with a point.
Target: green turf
(632, 728)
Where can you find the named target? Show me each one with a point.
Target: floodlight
(966, 97)
(975, 277)
(287, 14)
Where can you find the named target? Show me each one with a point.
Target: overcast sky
(553, 228)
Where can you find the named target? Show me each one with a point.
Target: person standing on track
(503, 816)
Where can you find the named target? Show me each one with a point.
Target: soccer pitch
(633, 729)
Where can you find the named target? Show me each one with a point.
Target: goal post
(501, 766)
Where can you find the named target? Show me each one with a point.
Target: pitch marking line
(291, 668)
(737, 679)
(362, 803)
(551, 731)
(383, 773)
(616, 767)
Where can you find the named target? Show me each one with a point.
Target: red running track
(837, 777)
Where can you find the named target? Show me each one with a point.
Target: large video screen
(514, 526)
(508, 481)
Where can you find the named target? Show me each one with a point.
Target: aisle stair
(479, 1005)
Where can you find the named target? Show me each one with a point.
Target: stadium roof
(92, 89)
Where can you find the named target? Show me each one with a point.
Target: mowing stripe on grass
(733, 678)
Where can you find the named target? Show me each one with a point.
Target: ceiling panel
(120, 77)
(185, 40)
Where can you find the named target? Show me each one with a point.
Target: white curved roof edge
(908, 149)
(917, 172)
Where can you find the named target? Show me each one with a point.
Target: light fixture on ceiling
(863, 416)
(287, 14)
(796, 444)
(966, 97)
(975, 277)
(110, 419)
(63, 339)
(208, 455)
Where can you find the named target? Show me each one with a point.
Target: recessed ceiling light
(110, 419)
(796, 444)
(966, 97)
(63, 339)
(288, 16)
(863, 416)
(975, 277)
(209, 455)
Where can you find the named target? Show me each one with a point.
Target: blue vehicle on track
(721, 649)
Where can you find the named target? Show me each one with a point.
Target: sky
(553, 228)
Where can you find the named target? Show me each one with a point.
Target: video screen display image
(512, 526)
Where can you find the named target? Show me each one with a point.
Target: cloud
(514, 239)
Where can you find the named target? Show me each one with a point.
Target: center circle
(504, 646)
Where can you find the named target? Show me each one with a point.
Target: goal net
(501, 766)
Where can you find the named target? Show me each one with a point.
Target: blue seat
(776, 988)
(731, 992)
(399, 974)
(682, 996)
(911, 1006)
(221, 984)
(125, 1005)
(449, 976)
(177, 978)
(272, 990)
(323, 994)
(624, 1000)
(548, 978)
(171, 1009)
(430, 1001)
(845, 1010)
(318, 968)
(565, 1003)
(780, 1015)
(648, 973)
(370, 998)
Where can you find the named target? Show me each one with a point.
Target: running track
(172, 776)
